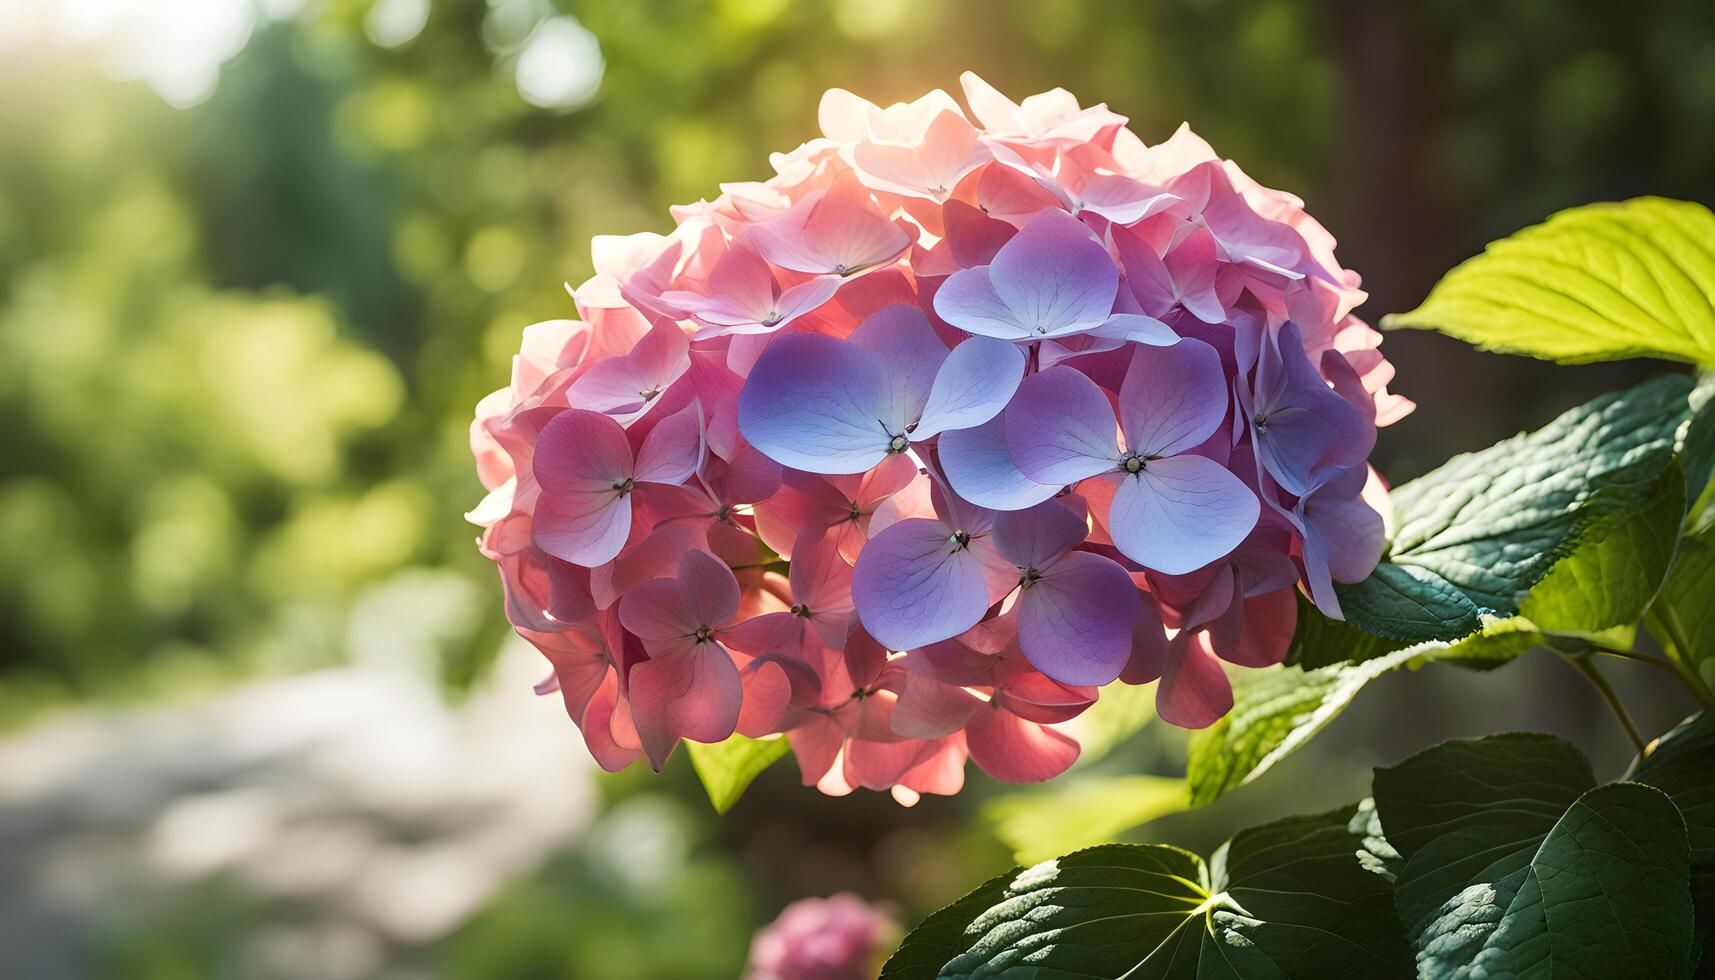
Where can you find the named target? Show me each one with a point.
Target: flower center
(650, 394)
(1133, 463)
(1260, 421)
(625, 486)
(855, 512)
(799, 609)
(705, 633)
(897, 445)
(960, 540)
(772, 318)
(1030, 577)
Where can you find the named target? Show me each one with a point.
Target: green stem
(1605, 689)
(1673, 668)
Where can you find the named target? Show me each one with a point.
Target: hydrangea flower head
(840, 937)
(907, 452)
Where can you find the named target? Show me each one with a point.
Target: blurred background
(260, 715)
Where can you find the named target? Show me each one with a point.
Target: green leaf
(1477, 534)
(1121, 711)
(1516, 864)
(1616, 571)
(727, 768)
(1683, 616)
(1602, 282)
(1079, 812)
(1292, 898)
(1276, 710)
(1682, 765)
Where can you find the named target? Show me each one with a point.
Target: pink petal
(1060, 427)
(822, 581)
(626, 387)
(1192, 265)
(836, 232)
(694, 694)
(767, 694)
(655, 612)
(1269, 622)
(582, 527)
(1149, 646)
(928, 708)
(913, 585)
(1173, 398)
(1194, 692)
(1180, 514)
(973, 236)
(1122, 200)
(710, 591)
(1075, 623)
(673, 449)
(1009, 748)
(1054, 276)
(582, 452)
(949, 150)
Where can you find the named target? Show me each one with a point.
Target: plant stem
(1672, 667)
(1602, 686)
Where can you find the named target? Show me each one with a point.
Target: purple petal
(1054, 276)
(974, 383)
(1075, 623)
(909, 353)
(1032, 538)
(981, 469)
(1302, 426)
(1173, 398)
(914, 586)
(815, 403)
(1060, 427)
(1180, 514)
(1343, 537)
(1137, 328)
(968, 301)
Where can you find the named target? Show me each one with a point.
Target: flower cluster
(908, 450)
(840, 937)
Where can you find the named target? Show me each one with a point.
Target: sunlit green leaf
(727, 768)
(1291, 898)
(1276, 710)
(1597, 283)
(1079, 812)
(1516, 863)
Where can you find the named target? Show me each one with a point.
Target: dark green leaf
(1516, 864)
(1597, 283)
(1290, 899)
(1682, 765)
(727, 768)
(1477, 534)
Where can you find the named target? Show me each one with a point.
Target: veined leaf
(1515, 863)
(727, 768)
(1476, 535)
(1602, 282)
(1292, 898)
(1682, 765)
